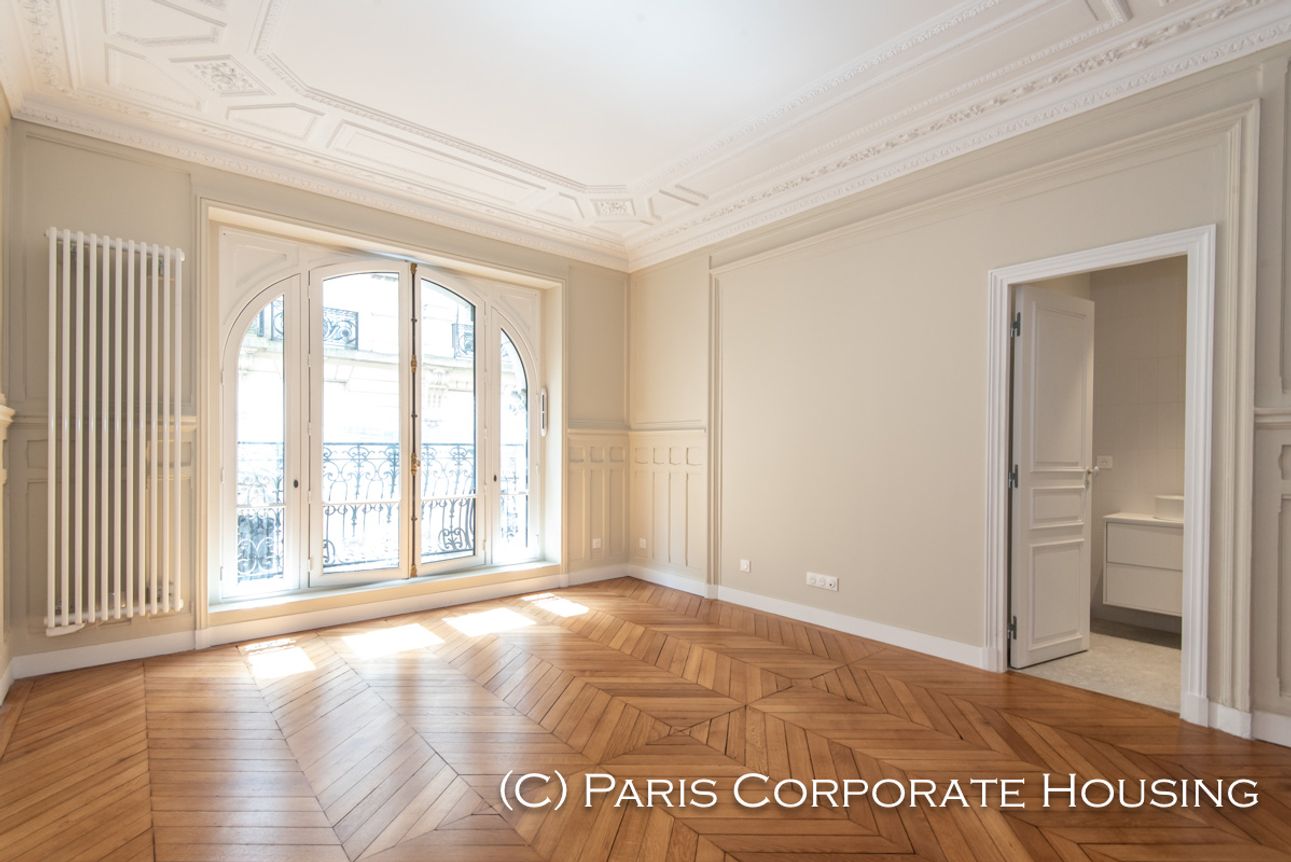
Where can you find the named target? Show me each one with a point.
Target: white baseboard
(75, 658)
(57, 661)
(969, 654)
(288, 623)
(1271, 727)
(1197, 709)
(1229, 720)
(597, 573)
(672, 580)
(6, 681)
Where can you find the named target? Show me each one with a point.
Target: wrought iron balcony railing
(361, 505)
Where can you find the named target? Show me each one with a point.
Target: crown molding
(34, 110)
(1107, 61)
(1222, 32)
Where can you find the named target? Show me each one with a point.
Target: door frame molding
(1198, 245)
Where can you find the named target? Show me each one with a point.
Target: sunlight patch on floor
(277, 659)
(554, 604)
(389, 641)
(489, 622)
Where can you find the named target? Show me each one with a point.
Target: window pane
(259, 453)
(447, 477)
(514, 478)
(361, 422)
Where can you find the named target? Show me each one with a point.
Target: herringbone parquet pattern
(387, 741)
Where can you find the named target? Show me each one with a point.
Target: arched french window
(448, 421)
(259, 492)
(383, 427)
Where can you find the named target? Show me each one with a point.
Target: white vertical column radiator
(114, 545)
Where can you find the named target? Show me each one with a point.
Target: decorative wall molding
(668, 501)
(596, 498)
(1273, 418)
(1271, 593)
(1060, 59)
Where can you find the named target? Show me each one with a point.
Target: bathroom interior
(1140, 341)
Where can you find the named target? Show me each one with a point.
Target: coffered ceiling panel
(622, 133)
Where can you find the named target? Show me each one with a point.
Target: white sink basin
(1169, 507)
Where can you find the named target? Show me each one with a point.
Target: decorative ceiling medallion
(225, 76)
(614, 207)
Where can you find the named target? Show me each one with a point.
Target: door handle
(1090, 473)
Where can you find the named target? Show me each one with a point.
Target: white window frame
(312, 480)
(303, 506)
(294, 555)
(528, 359)
(480, 556)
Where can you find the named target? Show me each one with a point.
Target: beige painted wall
(852, 352)
(668, 326)
(598, 364)
(66, 180)
(876, 328)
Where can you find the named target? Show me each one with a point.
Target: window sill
(403, 589)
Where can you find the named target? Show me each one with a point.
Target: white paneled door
(1053, 404)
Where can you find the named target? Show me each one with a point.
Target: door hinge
(1013, 476)
(1013, 628)
(412, 365)
(1016, 326)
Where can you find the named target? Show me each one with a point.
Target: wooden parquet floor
(387, 741)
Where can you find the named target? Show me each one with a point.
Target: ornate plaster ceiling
(623, 133)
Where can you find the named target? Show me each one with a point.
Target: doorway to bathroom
(1097, 569)
(1098, 371)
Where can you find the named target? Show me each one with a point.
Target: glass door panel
(447, 419)
(358, 332)
(513, 477)
(259, 453)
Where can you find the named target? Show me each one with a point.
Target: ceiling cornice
(105, 129)
(1108, 61)
(1200, 40)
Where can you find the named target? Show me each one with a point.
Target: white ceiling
(623, 132)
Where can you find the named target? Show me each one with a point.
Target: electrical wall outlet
(641, 543)
(822, 582)
(596, 544)
(746, 566)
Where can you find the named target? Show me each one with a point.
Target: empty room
(591, 430)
